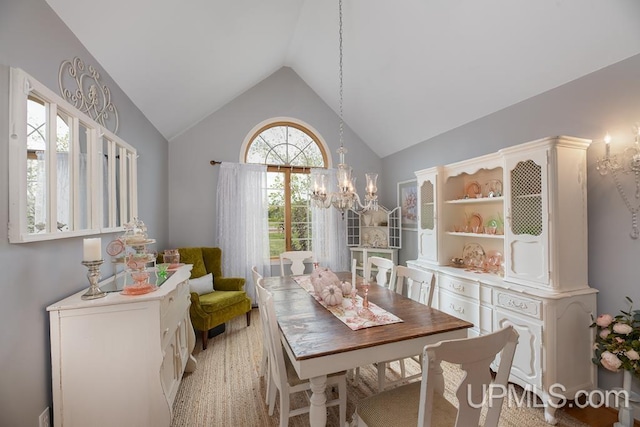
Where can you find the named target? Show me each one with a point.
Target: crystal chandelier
(627, 163)
(346, 197)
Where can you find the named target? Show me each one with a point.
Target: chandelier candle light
(628, 165)
(346, 197)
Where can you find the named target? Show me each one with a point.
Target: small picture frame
(408, 202)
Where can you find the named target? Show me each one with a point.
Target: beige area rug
(226, 389)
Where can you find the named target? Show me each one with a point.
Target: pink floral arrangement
(618, 341)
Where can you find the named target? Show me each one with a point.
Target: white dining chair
(264, 364)
(385, 273)
(297, 259)
(265, 351)
(418, 284)
(384, 269)
(423, 403)
(419, 287)
(283, 375)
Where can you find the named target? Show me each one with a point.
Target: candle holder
(93, 275)
(365, 286)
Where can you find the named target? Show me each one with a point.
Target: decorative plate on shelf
(473, 255)
(473, 190)
(145, 288)
(377, 238)
(115, 247)
(174, 267)
(493, 188)
(475, 220)
(135, 241)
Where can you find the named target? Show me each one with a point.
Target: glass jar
(172, 257)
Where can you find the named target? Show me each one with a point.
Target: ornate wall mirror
(68, 175)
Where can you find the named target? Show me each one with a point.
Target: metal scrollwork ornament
(85, 92)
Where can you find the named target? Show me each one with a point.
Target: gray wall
(607, 100)
(38, 274)
(220, 137)
(35, 275)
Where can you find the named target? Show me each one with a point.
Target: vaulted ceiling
(413, 69)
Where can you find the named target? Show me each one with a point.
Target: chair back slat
(297, 259)
(419, 284)
(386, 271)
(475, 357)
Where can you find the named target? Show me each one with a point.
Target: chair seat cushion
(399, 407)
(215, 301)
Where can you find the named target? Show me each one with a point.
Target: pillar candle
(92, 249)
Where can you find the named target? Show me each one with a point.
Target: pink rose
(632, 354)
(604, 333)
(610, 361)
(604, 320)
(622, 328)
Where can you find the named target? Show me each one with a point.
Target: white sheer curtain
(328, 230)
(242, 221)
(63, 192)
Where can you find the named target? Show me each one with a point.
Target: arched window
(289, 150)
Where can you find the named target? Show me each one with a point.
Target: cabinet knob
(521, 305)
(165, 332)
(456, 309)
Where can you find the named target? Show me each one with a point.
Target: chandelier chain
(346, 197)
(340, 72)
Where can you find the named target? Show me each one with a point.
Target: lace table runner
(351, 312)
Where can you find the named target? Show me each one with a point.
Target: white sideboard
(118, 360)
(532, 198)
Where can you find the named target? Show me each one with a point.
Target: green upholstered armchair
(228, 299)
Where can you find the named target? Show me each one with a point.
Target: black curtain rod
(303, 168)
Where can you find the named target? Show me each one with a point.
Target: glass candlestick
(365, 301)
(93, 275)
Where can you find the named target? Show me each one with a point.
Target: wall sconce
(625, 163)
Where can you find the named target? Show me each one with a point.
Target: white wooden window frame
(121, 159)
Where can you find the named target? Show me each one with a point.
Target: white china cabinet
(118, 360)
(506, 236)
(373, 233)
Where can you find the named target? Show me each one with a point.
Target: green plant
(618, 341)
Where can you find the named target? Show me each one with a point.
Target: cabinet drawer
(519, 304)
(176, 304)
(171, 297)
(459, 307)
(459, 286)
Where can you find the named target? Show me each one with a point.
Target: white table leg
(318, 409)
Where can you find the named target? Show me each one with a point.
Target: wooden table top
(313, 331)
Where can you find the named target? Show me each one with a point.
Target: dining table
(319, 343)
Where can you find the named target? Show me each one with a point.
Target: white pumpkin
(346, 288)
(323, 277)
(332, 276)
(332, 295)
(321, 282)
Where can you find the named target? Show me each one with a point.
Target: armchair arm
(228, 283)
(196, 309)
